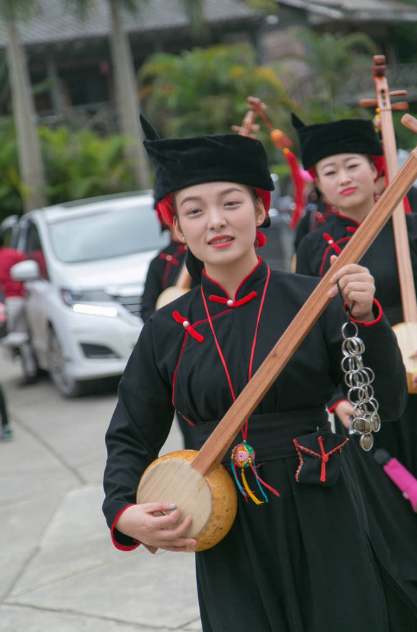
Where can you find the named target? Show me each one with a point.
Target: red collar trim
(241, 284)
(230, 302)
(348, 218)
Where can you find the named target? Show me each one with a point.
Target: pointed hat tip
(296, 122)
(148, 130)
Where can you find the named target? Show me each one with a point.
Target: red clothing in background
(8, 257)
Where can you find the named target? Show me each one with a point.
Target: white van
(86, 268)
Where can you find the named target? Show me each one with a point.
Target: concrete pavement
(59, 571)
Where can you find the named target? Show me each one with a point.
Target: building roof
(355, 10)
(54, 24)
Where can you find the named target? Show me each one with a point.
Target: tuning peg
(401, 105)
(398, 93)
(410, 122)
(368, 103)
(379, 59)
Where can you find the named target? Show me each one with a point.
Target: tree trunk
(30, 159)
(127, 97)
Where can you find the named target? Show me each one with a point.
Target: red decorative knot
(169, 258)
(324, 460)
(187, 326)
(230, 302)
(332, 243)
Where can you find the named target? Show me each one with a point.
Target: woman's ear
(260, 212)
(177, 229)
(374, 172)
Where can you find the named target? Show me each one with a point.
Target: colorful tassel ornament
(243, 457)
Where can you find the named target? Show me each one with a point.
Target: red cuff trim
(371, 322)
(331, 409)
(122, 547)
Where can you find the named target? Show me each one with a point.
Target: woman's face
(218, 221)
(346, 180)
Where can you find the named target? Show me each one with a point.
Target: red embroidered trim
(192, 423)
(122, 547)
(324, 456)
(244, 280)
(187, 326)
(170, 258)
(218, 346)
(179, 360)
(372, 322)
(174, 380)
(230, 302)
(326, 252)
(332, 243)
(349, 218)
(249, 275)
(245, 428)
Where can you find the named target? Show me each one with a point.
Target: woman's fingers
(165, 531)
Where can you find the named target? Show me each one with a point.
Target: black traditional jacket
(176, 367)
(162, 273)
(283, 557)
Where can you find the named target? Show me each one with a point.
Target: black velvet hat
(348, 136)
(184, 162)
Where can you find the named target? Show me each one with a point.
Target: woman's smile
(221, 241)
(348, 191)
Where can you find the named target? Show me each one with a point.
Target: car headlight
(90, 302)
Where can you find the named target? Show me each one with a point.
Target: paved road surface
(58, 569)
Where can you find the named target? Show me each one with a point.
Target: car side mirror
(25, 271)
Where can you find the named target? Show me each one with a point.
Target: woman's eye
(193, 211)
(352, 166)
(231, 203)
(329, 173)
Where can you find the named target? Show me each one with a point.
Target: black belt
(271, 435)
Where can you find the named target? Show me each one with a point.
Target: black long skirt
(302, 562)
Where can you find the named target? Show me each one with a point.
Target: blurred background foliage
(201, 91)
(78, 164)
(204, 91)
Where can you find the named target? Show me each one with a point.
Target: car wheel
(66, 385)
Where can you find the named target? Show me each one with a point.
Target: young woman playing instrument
(297, 558)
(345, 158)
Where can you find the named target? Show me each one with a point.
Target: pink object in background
(399, 474)
(305, 175)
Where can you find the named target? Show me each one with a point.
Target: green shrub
(78, 165)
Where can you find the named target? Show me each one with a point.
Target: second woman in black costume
(345, 158)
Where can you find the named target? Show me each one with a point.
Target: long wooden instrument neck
(216, 446)
(402, 246)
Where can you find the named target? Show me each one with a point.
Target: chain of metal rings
(365, 418)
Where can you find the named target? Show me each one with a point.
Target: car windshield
(106, 235)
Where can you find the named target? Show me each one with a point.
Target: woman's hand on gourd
(357, 287)
(156, 524)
